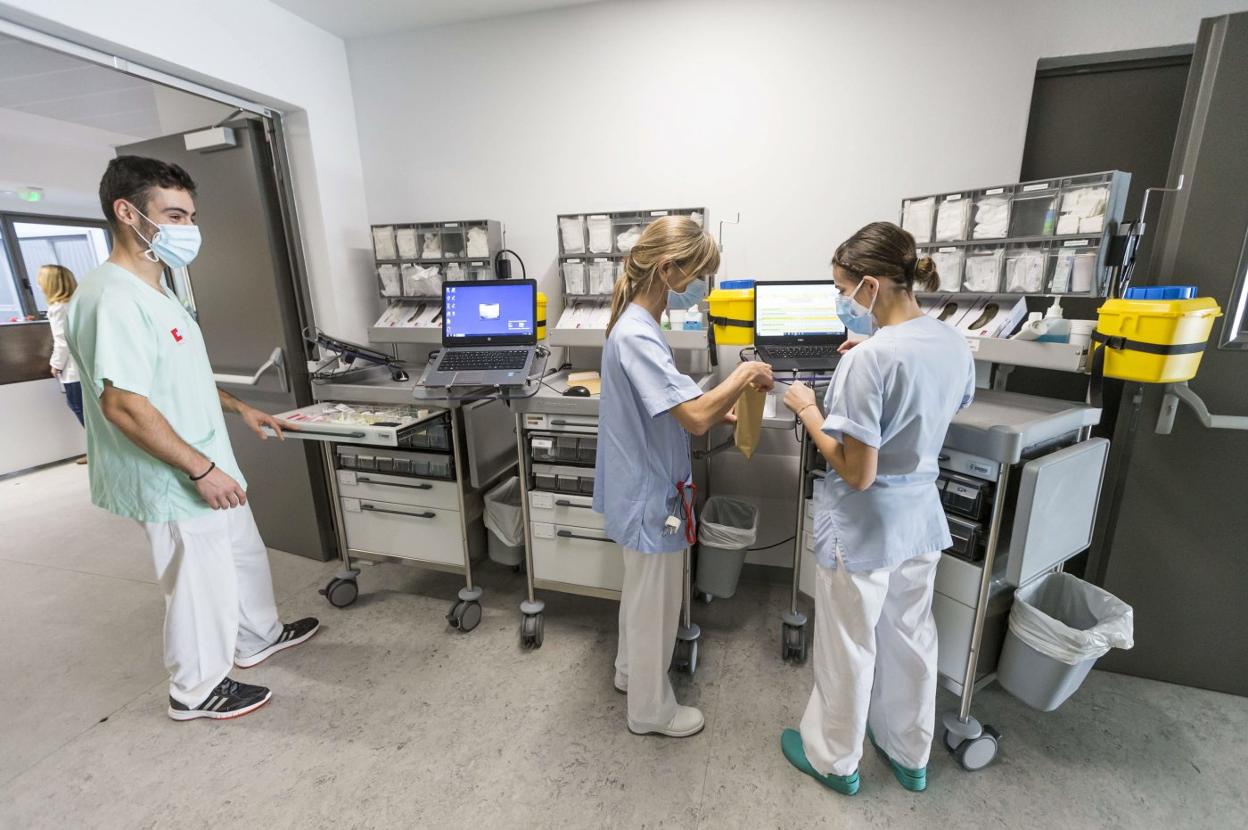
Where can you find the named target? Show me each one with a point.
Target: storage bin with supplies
(917, 216)
(1025, 269)
(992, 214)
(949, 262)
(982, 272)
(1059, 627)
(504, 518)
(1153, 341)
(732, 313)
(727, 529)
(952, 217)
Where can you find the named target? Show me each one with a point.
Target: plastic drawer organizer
(1041, 237)
(413, 260)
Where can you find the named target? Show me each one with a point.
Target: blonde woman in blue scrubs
(648, 411)
(879, 525)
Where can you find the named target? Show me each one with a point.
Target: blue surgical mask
(856, 318)
(693, 294)
(174, 245)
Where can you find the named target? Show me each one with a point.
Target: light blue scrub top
(642, 449)
(897, 391)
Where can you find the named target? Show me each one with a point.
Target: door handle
(302, 430)
(277, 360)
(429, 514)
(566, 503)
(364, 480)
(567, 534)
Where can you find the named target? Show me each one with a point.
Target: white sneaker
(621, 683)
(686, 722)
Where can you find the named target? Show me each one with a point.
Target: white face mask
(174, 245)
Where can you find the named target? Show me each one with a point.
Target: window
(29, 243)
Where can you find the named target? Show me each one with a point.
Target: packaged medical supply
(432, 247)
(601, 276)
(419, 281)
(916, 217)
(1083, 210)
(574, 277)
(478, 242)
(1083, 273)
(992, 216)
(599, 234)
(389, 276)
(455, 272)
(1024, 271)
(572, 234)
(406, 239)
(628, 238)
(383, 243)
(949, 263)
(983, 272)
(952, 217)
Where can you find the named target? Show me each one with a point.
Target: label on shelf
(541, 530)
(973, 343)
(1027, 188)
(534, 421)
(542, 501)
(451, 225)
(351, 505)
(658, 213)
(996, 191)
(953, 198)
(574, 260)
(347, 477)
(543, 444)
(1078, 243)
(947, 250)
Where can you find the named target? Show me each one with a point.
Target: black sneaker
(300, 631)
(230, 699)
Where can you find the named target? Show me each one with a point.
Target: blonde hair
(675, 239)
(57, 282)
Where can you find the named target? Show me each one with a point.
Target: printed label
(996, 191)
(1077, 243)
(351, 505)
(542, 501)
(982, 469)
(541, 530)
(658, 213)
(535, 421)
(955, 197)
(947, 250)
(973, 342)
(543, 444)
(1027, 188)
(347, 478)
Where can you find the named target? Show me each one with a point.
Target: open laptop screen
(498, 311)
(796, 309)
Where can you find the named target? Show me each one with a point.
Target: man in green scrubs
(159, 450)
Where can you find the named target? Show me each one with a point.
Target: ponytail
(622, 293)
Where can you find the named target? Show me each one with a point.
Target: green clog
(914, 780)
(791, 746)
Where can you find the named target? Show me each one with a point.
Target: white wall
(810, 118)
(38, 426)
(257, 50)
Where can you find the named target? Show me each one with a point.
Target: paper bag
(749, 419)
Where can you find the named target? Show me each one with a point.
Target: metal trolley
(566, 549)
(408, 490)
(1020, 481)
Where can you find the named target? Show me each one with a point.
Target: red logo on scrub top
(177, 338)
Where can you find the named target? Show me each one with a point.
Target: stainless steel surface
(339, 526)
(1182, 393)
(368, 386)
(1000, 425)
(491, 451)
(522, 454)
(985, 586)
(456, 434)
(799, 523)
(276, 360)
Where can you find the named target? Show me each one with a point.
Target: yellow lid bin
(541, 315)
(732, 313)
(1154, 341)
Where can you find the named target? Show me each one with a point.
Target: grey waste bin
(1059, 627)
(727, 529)
(506, 524)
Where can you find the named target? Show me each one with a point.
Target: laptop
(795, 325)
(489, 331)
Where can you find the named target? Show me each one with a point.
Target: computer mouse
(576, 392)
(398, 375)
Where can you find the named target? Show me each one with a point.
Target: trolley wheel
(341, 592)
(951, 742)
(705, 598)
(794, 646)
(977, 753)
(685, 657)
(531, 631)
(464, 615)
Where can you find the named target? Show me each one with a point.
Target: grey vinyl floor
(388, 719)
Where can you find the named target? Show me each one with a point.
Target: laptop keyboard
(801, 352)
(468, 361)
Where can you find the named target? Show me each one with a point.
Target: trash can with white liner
(727, 529)
(505, 522)
(1059, 627)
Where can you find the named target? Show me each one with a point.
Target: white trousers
(219, 602)
(649, 616)
(875, 652)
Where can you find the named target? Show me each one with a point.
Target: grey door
(245, 295)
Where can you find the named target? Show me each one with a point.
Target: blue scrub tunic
(897, 391)
(643, 452)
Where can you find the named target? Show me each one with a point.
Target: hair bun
(925, 276)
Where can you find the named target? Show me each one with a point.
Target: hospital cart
(1020, 480)
(566, 548)
(407, 487)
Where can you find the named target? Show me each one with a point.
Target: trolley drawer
(379, 426)
(577, 556)
(566, 448)
(958, 579)
(955, 624)
(569, 480)
(564, 509)
(420, 533)
(398, 489)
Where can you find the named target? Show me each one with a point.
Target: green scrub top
(143, 341)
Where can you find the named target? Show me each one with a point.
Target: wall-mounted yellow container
(732, 313)
(541, 316)
(1154, 341)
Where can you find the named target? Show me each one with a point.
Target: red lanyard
(686, 507)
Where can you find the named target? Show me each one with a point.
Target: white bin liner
(503, 513)
(727, 523)
(1069, 620)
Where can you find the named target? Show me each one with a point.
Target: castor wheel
(685, 657)
(794, 647)
(976, 753)
(705, 598)
(341, 592)
(531, 629)
(464, 615)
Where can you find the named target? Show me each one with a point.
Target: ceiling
(50, 84)
(364, 18)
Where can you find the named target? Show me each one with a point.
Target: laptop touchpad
(469, 378)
